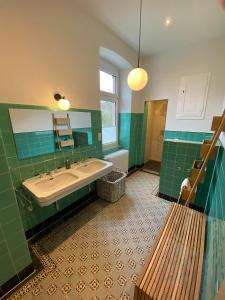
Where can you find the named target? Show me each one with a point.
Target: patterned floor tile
(98, 254)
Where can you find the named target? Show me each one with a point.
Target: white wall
(125, 93)
(49, 46)
(165, 71)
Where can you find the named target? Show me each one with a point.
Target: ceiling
(193, 21)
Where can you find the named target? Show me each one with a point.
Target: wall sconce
(63, 103)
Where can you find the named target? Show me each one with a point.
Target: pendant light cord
(139, 43)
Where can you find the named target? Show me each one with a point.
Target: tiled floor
(152, 166)
(99, 253)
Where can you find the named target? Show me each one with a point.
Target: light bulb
(137, 79)
(168, 21)
(64, 104)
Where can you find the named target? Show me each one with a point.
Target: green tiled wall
(30, 144)
(82, 136)
(23, 169)
(177, 161)
(136, 155)
(131, 136)
(214, 267)
(124, 130)
(14, 253)
(187, 135)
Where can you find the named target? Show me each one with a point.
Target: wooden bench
(174, 269)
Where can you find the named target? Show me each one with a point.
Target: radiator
(119, 160)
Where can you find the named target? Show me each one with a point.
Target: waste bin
(111, 187)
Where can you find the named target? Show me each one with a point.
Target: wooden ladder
(208, 151)
(63, 131)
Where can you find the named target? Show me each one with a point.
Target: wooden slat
(174, 268)
(61, 121)
(66, 143)
(62, 132)
(178, 264)
(186, 275)
(200, 266)
(171, 268)
(148, 267)
(192, 261)
(140, 278)
(158, 255)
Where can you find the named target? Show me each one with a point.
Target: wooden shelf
(62, 129)
(61, 121)
(62, 132)
(66, 143)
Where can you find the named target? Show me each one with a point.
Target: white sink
(55, 182)
(92, 167)
(48, 189)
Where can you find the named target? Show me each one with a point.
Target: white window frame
(111, 98)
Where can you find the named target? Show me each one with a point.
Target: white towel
(185, 185)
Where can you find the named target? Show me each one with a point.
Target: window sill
(109, 150)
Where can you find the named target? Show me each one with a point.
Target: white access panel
(192, 97)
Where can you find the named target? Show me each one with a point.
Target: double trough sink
(47, 189)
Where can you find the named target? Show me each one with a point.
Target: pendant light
(138, 77)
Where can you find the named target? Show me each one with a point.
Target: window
(108, 104)
(107, 83)
(109, 129)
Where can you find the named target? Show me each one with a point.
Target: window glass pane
(107, 83)
(108, 110)
(109, 132)
(109, 135)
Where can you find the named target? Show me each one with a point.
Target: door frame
(146, 118)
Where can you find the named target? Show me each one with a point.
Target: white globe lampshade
(137, 79)
(64, 104)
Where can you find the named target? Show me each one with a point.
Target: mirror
(37, 133)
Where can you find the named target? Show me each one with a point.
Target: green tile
(3, 248)
(16, 177)
(7, 270)
(3, 164)
(9, 213)
(5, 182)
(22, 262)
(20, 251)
(7, 198)
(14, 235)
